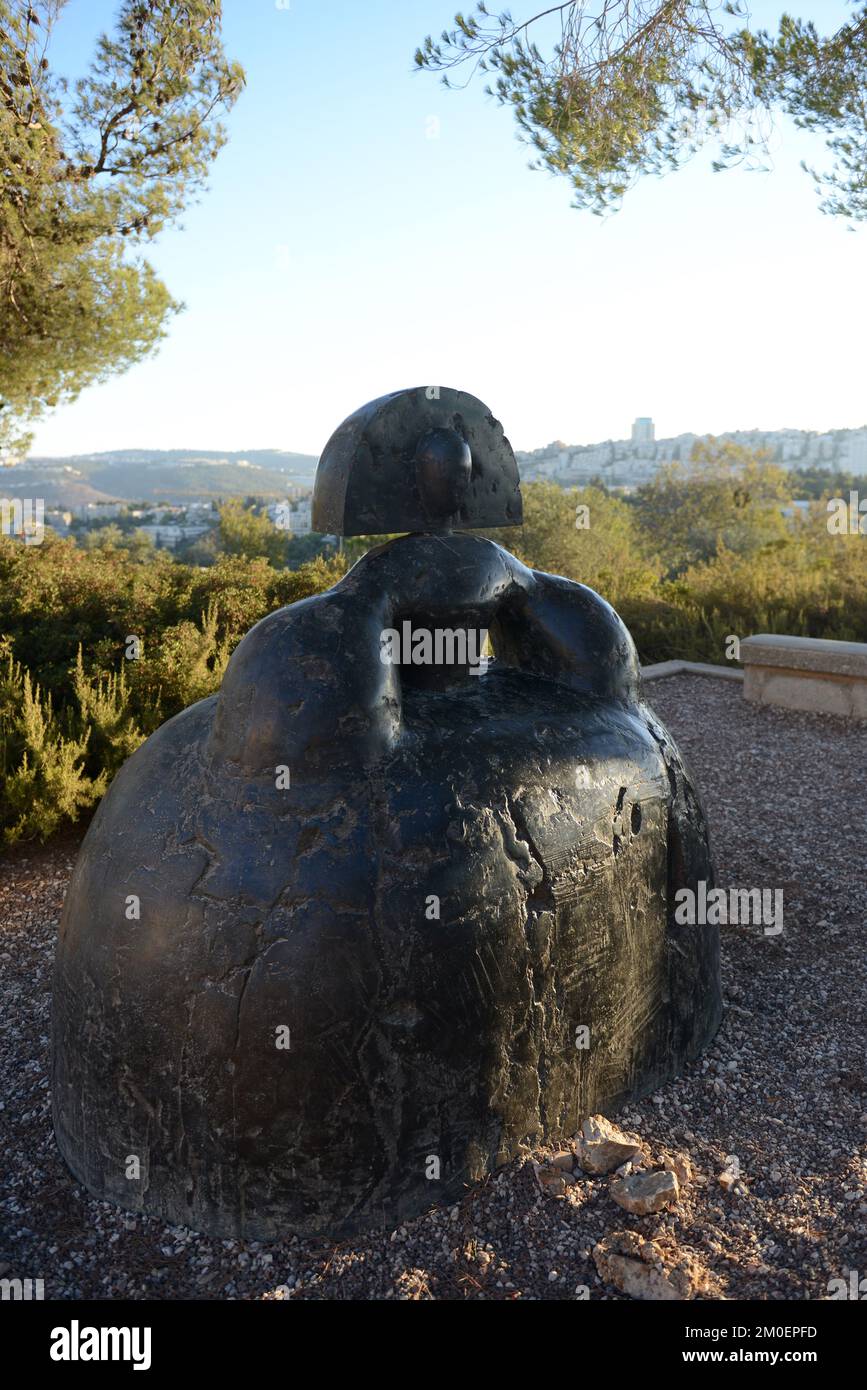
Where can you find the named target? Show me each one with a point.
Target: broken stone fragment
(564, 1161)
(639, 1268)
(550, 1180)
(681, 1166)
(601, 1146)
(644, 1193)
(632, 1165)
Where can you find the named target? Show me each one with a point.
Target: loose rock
(550, 1180)
(681, 1166)
(601, 1146)
(639, 1268)
(644, 1193)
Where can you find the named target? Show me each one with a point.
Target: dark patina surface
(464, 872)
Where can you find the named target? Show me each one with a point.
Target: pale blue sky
(341, 253)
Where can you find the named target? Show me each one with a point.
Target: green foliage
(104, 711)
(302, 549)
(253, 535)
(186, 665)
(820, 82)
(823, 482)
(586, 535)
(807, 585)
(86, 177)
(44, 780)
(72, 706)
(622, 89)
(110, 536)
(204, 550)
(727, 497)
(699, 555)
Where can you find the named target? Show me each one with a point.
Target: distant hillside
(157, 475)
(61, 490)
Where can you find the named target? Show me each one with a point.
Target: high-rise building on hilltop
(631, 462)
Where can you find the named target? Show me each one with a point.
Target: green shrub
(74, 706)
(44, 780)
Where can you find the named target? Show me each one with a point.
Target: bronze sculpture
(395, 919)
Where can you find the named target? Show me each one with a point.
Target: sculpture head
(425, 459)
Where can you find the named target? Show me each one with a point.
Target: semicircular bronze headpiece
(425, 459)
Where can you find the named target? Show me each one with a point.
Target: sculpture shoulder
(575, 636)
(302, 679)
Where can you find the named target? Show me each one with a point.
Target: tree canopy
(726, 498)
(614, 89)
(90, 172)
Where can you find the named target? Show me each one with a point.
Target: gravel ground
(783, 1091)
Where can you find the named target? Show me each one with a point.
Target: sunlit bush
(100, 645)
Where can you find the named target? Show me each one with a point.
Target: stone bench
(806, 673)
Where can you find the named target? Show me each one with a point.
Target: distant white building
(857, 451)
(59, 521)
(169, 537)
(88, 511)
(631, 462)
